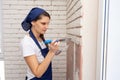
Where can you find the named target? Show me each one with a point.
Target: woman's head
(35, 16)
(40, 23)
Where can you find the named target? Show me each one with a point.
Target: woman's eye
(43, 23)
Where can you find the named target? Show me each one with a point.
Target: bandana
(33, 14)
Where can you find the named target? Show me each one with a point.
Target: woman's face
(41, 25)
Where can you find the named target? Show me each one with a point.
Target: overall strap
(35, 40)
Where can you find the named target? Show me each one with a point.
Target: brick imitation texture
(73, 31)
(14, 11)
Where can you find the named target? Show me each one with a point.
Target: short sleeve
(27, 47)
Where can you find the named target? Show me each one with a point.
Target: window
(108, 56)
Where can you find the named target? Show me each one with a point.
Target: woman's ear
(33, 23)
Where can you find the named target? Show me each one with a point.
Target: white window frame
(108, 41)
(102, 39)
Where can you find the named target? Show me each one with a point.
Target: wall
(73, 31)
(81, 21)
(89, 24)
(14, 11)
(82, 28)
(1, 54)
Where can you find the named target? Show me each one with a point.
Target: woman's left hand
(54, 46)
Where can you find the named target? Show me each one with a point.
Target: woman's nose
(46, 26)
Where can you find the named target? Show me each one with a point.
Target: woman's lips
(44, 30)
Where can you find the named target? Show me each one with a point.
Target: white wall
(89, 24)
(113, 47)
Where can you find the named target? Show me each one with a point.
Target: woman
(35, 52)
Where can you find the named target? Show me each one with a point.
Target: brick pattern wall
(73, 31)
(14, 11)
(1, 54)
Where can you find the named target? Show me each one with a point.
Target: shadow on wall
(74, 61)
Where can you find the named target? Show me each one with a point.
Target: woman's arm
(39, 69)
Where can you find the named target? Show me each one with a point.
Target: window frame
(102, 39)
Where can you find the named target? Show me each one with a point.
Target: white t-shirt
(30, 48)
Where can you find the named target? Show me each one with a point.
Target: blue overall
(48, 74)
